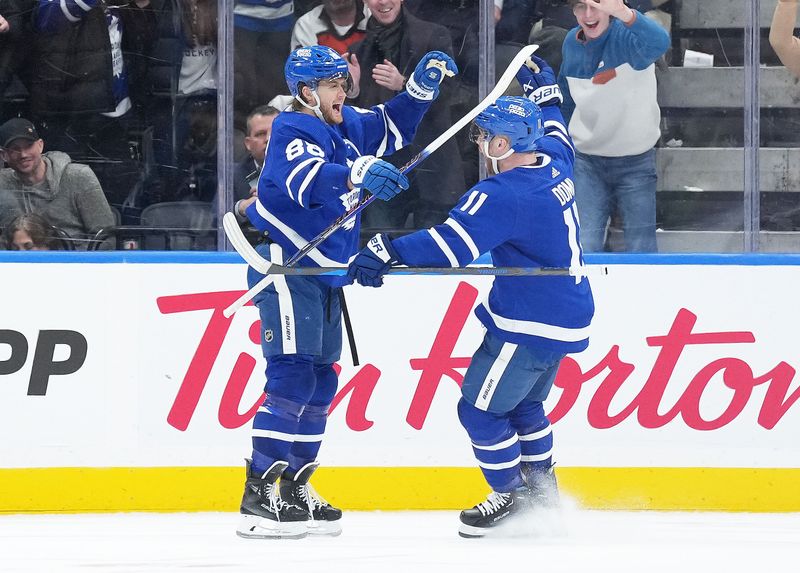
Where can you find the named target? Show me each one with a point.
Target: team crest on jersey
(349, 201)
(268, 336)
(555, 172)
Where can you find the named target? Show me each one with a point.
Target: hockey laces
(310, 496)
(494, 502)
(276, 504)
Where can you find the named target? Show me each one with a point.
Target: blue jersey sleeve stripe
(533, 328)
(312, 173)
(566, 140)
(461, 232)
(302, 165)
(446, 251)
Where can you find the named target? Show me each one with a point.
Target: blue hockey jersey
(302, 188)
(524, 217)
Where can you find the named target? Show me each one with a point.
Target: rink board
(124, 388)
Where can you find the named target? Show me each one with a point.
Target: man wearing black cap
(49, 184)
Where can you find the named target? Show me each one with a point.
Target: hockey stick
(502, 84)
(270, 269)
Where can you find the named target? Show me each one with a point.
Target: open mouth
(337, 107)
(591, 25)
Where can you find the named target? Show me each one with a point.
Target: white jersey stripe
(461, 232)
(295, 171)
(437, 238)
(472, 197)
(563, 138)
(398, 137)
(307, 181)
(385, 141)
(477, 206)
(557, 124)
(537, 457)
(537, 435)
(533, 328)
(501, 465)
(285, 305)
(295, 238)
(492, 380)
(494, 447)
(284, 437)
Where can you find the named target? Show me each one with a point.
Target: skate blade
(329, 528)
(255, 527)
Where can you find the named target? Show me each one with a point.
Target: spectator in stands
(31, 232)
(262, 36)
(608, 80)
(782, 38)
(245, 178)
(85, 75)
(49, 184)
(555, 18)
(337, 24)
(395, 41)
(12, 14)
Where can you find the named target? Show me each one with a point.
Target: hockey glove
(538, 81)
(373, 261)
(429, 73)
(377, 176)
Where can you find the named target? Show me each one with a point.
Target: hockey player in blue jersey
(322, 155)
(524, 215)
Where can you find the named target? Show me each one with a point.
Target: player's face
(384, 11)
(592, 21)
(331, 99)
(24, 156)
(260, 128)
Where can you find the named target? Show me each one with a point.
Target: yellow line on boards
(78, 490)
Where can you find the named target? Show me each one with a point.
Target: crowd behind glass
(120, 98)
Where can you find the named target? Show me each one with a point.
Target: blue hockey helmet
(310, 65)
(517, 118)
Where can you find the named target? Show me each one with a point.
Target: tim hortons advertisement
(135, 365)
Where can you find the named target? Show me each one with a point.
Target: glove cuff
(419, 92)
(547, 95)
(381, 246)
(359, 169)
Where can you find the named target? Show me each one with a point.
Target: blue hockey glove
(373, 261)
(377, 176)
(539, 83)
(429, 73)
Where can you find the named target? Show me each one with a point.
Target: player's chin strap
(315, 108)
(494, 159)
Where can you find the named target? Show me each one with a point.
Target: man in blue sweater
(523, 215)
(608, 80)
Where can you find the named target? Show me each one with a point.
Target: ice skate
(496, 512)
(542, 486)
(264, 515)
(323, 518)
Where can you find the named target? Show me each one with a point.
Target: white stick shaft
(248, 296)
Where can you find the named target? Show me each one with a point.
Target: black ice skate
(498, 509)
(264, 515)
(542, 486)
(323, 518)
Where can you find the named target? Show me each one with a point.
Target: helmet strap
(315, 108)
(492, 158)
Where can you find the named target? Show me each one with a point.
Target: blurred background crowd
(117, 115)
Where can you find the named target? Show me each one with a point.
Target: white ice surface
(411, 542)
